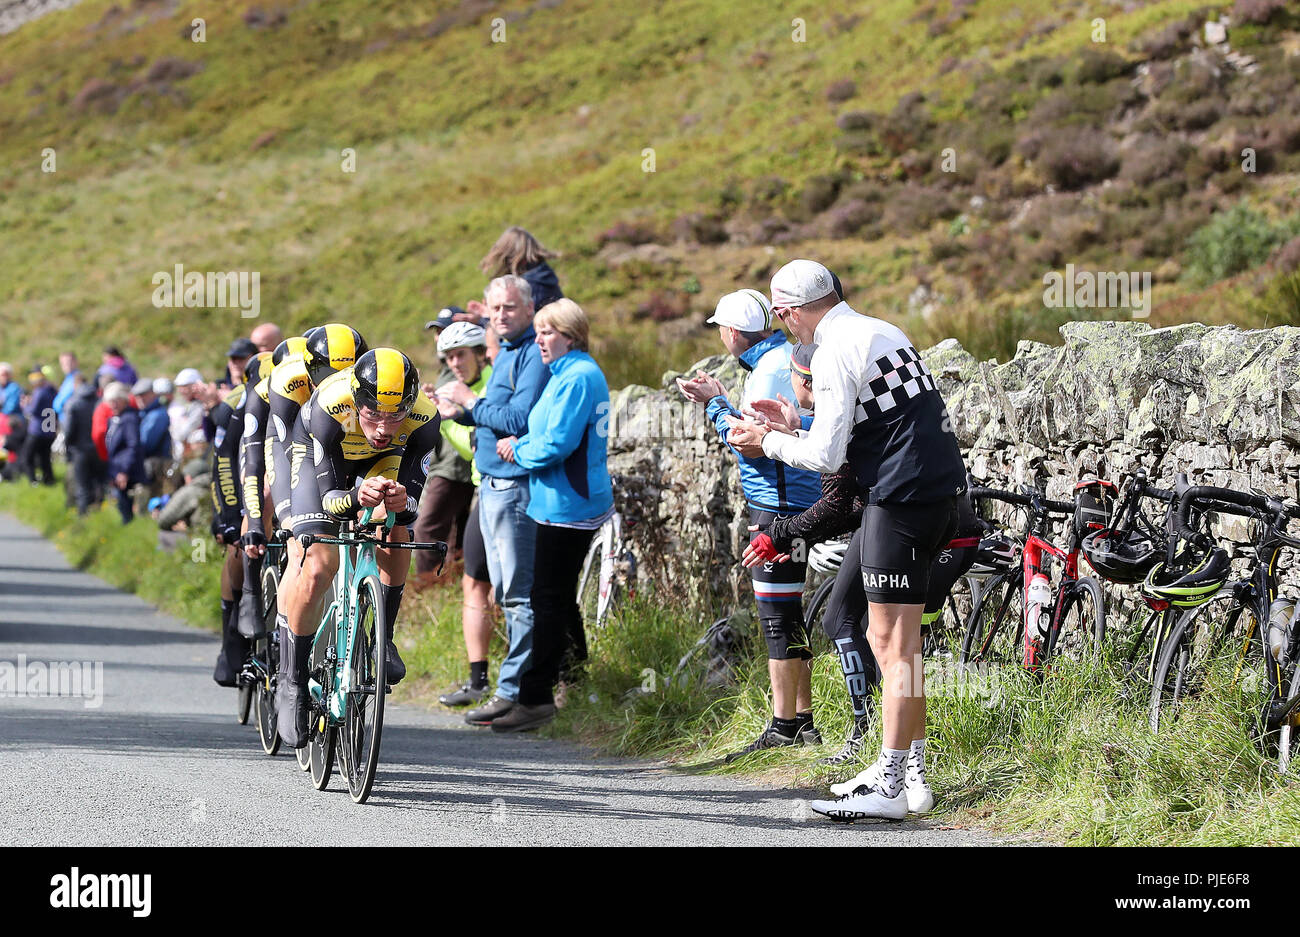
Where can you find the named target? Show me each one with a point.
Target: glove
(254, 538)
(764, 547)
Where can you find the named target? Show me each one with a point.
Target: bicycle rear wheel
(361, 731)
(589, 583)
(1081, 625)
(266, 653)
(1288, 744)
(994, 627)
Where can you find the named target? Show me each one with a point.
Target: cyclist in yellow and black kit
(365, 438)
(227, 509)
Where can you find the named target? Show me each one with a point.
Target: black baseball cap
(241, 348)
(445, 317)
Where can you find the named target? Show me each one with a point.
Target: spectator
(116, 367)
(125, 463)
(83, 454)
(42, 427)
(266, 336)
(519, 254)
(68, 362)
(185, 416)
(10, 393)
(163, 388)
(155, 440)
(13, 429)
(744, 320)
(190, 508)
(518, 378)
(100, 420)
(444, 506)
(462, 347)
(241, 349)
(570, 495)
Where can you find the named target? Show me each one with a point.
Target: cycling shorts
(278, 476)
(900, 541)
(476, 564)
(778, 589)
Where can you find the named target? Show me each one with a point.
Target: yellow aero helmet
(385, 380)
(258, 367)
(330, 349)
(290, 347)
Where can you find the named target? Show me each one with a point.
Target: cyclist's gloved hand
(761, 549)
(254, 538)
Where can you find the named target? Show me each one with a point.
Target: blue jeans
(509, 536)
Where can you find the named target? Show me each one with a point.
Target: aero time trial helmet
(385, 380)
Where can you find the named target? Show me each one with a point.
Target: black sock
(392, 602)
(804, 719)
(785, 726)
(478, 678)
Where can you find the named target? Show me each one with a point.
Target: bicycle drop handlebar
(1237, 503)
(1032, 499)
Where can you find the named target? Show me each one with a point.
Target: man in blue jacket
(125, 465)
(772, 490)
(509, 534)
(10, 392)
(68, 362)
(42, 427)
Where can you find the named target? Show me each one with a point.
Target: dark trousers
(87, 479)
(36, 455)
(444, 509)
(125, 506)
(557, 620)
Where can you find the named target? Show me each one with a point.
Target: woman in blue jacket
(570, 496)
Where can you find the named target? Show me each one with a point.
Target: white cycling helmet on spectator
(461, 335)
(827, 556)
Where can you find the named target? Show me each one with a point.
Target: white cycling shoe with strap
(920, 798)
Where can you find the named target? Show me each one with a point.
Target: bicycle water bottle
(1040, 594)
(1280, 615)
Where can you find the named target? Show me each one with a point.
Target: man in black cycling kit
(839, 512)
(227, 518)
(371, 436)
(879, 410)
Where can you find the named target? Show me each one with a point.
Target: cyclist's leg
(844, 622)
(778, 592)
(949, 565)
(899, 544)
(233, 646)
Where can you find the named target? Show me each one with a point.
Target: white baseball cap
(189, 376)
(747, 310)
(800, 282)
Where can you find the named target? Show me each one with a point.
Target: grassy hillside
(226, 155)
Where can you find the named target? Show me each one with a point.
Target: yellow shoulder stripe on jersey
(235, 398)
(390, 377)
(289, 379)
(263, 388)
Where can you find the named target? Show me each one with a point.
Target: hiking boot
(522, 718)
(770, 738)
(485, 715)
(464, 696)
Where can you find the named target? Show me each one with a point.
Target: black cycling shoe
(292, 713)
(396, 667)
(769, 739)
(465, 695)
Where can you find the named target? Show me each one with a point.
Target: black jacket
(545, 284)
(77, 417)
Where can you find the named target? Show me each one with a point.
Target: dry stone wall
(1219, 403)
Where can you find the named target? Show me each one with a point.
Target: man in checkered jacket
(879, 410)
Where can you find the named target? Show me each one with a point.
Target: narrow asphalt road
(160, 760)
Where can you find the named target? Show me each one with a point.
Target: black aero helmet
(1120, 556)
(290, 346)
(258, 367)
(331, 348)
(384, 379)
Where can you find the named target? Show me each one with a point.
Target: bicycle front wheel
(1206, 648)
(367, 674)
(994, 627)
(266, 654)
(1081, 625)
(1288, 736)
